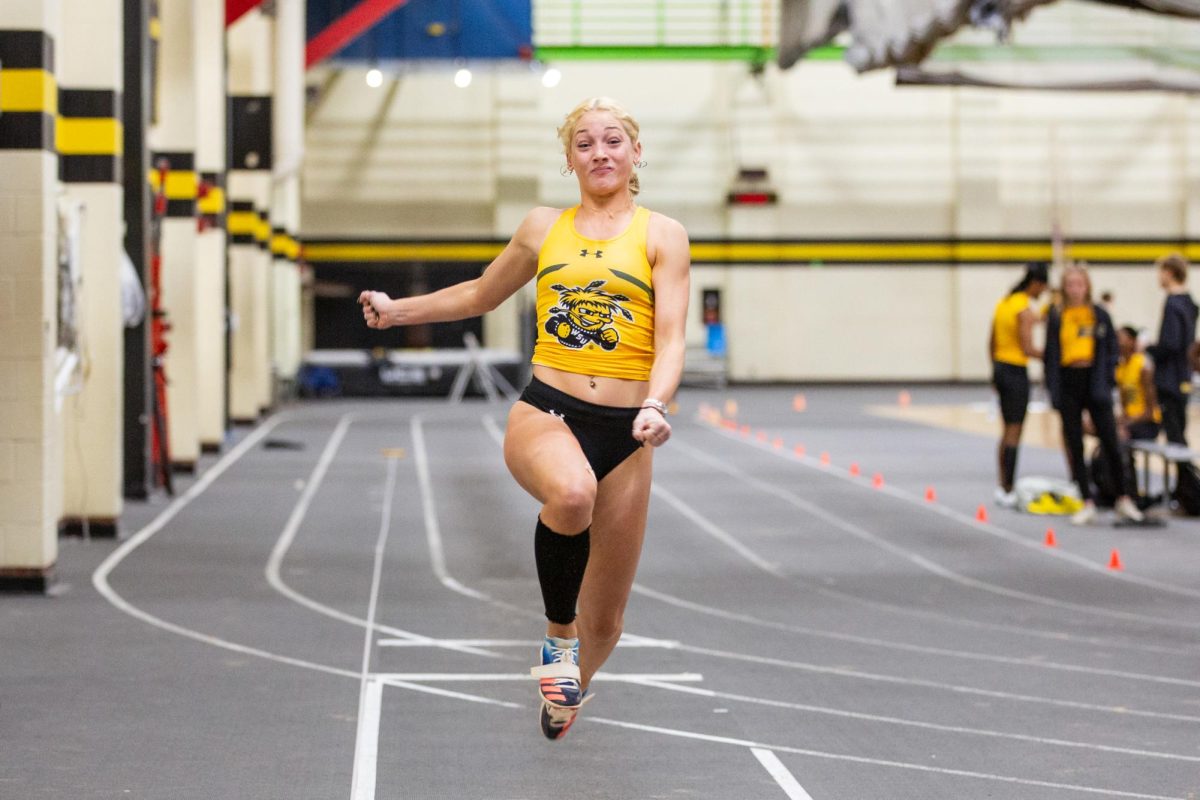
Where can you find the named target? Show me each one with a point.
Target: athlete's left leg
(618, 527)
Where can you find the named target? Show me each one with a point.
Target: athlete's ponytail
(1035, 272)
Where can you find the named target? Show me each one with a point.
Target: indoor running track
(344, 605)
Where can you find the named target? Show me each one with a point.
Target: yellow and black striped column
(90, 139)
(251, 159)
(30, 427)
(211, 256)
(173, 141)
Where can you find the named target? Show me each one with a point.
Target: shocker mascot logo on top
(584, 316)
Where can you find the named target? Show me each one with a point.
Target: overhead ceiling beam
(348, 27)
(236, 9)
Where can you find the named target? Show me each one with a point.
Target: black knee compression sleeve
(561, 561)
(1010, 467)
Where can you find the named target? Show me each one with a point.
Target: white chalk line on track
(875, 761)
(944, 510)
(850, 527)
(494, 431)
(780, 773)
(370, 701)
(918, 560)
(284, 543)
(902, 721)
(906, 647)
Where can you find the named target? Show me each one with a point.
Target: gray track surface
(877, 645)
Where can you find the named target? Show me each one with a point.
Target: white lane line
(854, 674)
(969, 521)
(284, 543)
(1033, 662)
(837, 712)
(916, 559)
(490, 677)
(779, 772)
(878, 762)
(717, 533)
(472, 698)
(366, 741)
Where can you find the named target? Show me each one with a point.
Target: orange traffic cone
(824, 459)
(1114, 561)
(877, 480)
(930, 495)
(799, 450)
(854, 469)
(981, 513)
(731, 408)
(1051, 539)
(777, 444)
(904, 398)
(799, 403)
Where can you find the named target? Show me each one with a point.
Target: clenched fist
(374, 308)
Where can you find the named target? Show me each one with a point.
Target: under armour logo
(597, 254)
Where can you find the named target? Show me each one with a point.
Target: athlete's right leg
(545, 458)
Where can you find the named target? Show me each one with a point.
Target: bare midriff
(616, 392)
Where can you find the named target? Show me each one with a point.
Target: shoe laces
(563, 655)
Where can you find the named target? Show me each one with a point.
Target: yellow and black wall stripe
(28, 91)
(211, 205)
(284, 245)
(242, 222)
(90, 137)
(262, 228)
(785, 253)
(182, 181)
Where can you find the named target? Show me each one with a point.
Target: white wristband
(657, 405)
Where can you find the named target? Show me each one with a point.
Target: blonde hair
(1077, 269)
(567, 129)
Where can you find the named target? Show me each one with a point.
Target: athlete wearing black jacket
(1172, 369)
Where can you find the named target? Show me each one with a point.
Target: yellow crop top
(595, 301)
(1129, 384)
(1006, 330)
(1078, 335)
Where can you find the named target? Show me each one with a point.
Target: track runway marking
(965, 519)
(838, 712)
(288, 536)
(780, 773)
(916, 559)
(879, 762)
(366, 740)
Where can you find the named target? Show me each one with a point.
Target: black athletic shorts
(1012, 384)
(604, 433)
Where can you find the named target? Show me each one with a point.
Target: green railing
(742, 30)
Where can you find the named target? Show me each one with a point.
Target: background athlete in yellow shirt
(612, 283)
(1081, 362)
(1141, 418)
(1011, 346)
